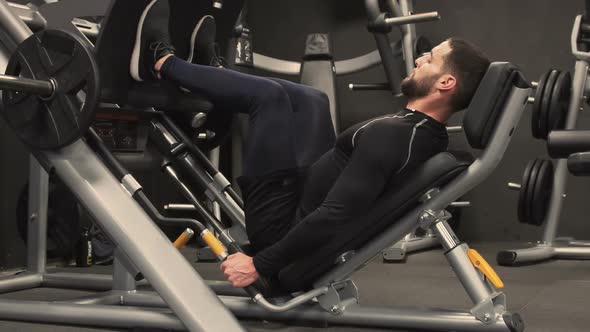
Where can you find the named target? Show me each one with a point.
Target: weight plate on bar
(543, 186)
(56, 121)
(522, 197)
(546, 103)
(530, 190)
(537, 105)
(560, 98)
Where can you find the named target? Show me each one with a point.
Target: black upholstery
(404, 194)
(484, 110)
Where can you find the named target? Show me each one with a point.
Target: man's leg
(270, 166)
(271, 143)
(312, 122)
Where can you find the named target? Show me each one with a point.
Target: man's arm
(380, 152)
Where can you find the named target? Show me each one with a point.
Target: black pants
(290, 127)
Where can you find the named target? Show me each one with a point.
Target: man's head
(449, 74)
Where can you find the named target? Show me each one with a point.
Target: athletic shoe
(203, 49)
(152, 40)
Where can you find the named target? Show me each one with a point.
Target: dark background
(534, 34)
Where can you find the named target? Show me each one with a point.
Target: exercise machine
(542, 201)
(181, 297)
(64, 152)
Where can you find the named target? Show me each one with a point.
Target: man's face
(429, 68)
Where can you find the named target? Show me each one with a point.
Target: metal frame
(551, 247)
(409, 244)
(191, 304)
(128, 225)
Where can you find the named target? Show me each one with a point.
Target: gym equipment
(340, 295)
(550, 246)
(577, 164)
(318, 68)
(535, 191)
(550, 103)
(436, 184)
(44, 75)
(109, 196)
(109, 201)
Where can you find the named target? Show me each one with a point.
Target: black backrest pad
(488, 102)
(403, 195)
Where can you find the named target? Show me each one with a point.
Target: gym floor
(552, 296)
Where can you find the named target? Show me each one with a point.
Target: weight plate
(560, 98)
(546, 103)
(522, 196)
(537, 105)
(63, 219)
(543, 187)
(421, 45)
(530, 189)
(61, 119)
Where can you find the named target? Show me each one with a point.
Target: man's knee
(271, 92)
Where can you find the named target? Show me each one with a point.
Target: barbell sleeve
(415, 18)
(43, 88)
(454, 129)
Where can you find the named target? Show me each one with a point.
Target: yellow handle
(216, 246)
(481, 264)
(183, 239)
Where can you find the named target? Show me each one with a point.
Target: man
(302, 186)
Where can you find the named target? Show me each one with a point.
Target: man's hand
(239, 270)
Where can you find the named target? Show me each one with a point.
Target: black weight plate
(543, 187)
(560, 99)
(530, 189)
(546, 103)
(522, 196)
(537, 105)
(63, 219)
(421, 45)
(61, 119)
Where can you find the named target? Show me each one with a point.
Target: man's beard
(414, 89)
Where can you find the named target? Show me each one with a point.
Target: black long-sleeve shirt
(347, 181)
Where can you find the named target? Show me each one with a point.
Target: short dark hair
(468, 64)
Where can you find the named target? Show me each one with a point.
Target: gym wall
(534, 34)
